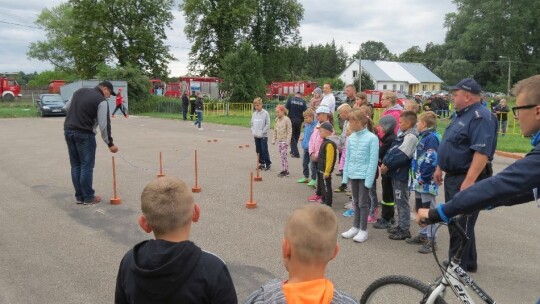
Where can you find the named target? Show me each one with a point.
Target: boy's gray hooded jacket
(272, 293)
(260, 123)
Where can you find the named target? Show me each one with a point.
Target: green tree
(452, 71)
(375, 50)
(412, 54)
(367, 82)
(273, 29)
(45, 77)
(138, 82)
(481, 31)
(213, 27)
(325, 60)
(62, 43)
(83, 34)
(242, 74)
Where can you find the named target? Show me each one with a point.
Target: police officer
(296, 107)
(192, 100)
(465, 155)
(519, 182)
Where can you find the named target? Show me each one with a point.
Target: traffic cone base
(116, 201)
(251, 205)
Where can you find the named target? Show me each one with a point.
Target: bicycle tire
(404, 284)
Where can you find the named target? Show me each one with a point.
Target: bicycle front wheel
(396, 289)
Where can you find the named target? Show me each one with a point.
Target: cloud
(398, 24)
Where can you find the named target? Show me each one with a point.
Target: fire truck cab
(9, 88)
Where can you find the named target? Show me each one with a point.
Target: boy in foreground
(171, 268)
(310, 242)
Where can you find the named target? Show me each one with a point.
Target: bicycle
(411, 290)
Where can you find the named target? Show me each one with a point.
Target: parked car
(424, 94)
(340, 97)
(51, 105)
(440, 93)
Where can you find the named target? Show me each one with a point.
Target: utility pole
(509, 72)
(360, 68)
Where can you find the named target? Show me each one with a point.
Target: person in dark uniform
(296, 107)
(192, 100)
(519, 182)
(465, 155)
(185, 105)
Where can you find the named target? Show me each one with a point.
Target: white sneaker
(350, 233)
(361, 236)
(348, 205)
(201, 129)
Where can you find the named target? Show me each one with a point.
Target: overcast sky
(398, 24)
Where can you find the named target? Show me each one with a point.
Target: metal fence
(245, 109)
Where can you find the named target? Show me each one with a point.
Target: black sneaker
(427, 247)
(281, 174)
(392, 230)
(400, 235)
(382, 224)
(285, 174)
(417, 240)
(266, 168)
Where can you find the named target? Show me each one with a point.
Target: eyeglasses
(515, 110)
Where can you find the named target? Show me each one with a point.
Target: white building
(406, 77)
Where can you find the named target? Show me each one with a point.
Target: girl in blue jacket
(360, 168)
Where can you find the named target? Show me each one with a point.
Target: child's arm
(427, 169)
(373, 161)
(274, 137)
(330, 155)
(345, 178)
(401, 156)
(289, 130)
(266, 127)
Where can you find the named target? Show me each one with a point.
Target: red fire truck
(282, 90)
(209, 86)
(54, 86)
(9, 88)
(374, 97)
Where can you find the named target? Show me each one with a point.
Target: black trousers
(119, 107)
(296, 128)
(184, 110)
(387, 204)
(191, 110)
(452, 184)
(325, 186)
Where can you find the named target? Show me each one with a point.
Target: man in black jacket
(296, 107)
(171, 268)
(185, 105)
(518, 183)
(87, 109)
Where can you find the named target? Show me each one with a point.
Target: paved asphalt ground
(54, 251)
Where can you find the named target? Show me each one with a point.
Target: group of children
(401, 150)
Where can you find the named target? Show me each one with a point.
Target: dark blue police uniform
(473, 129)
(296, 107)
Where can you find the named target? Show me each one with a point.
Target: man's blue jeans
(82, 157)
(199, 118)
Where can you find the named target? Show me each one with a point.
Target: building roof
(410, 72)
